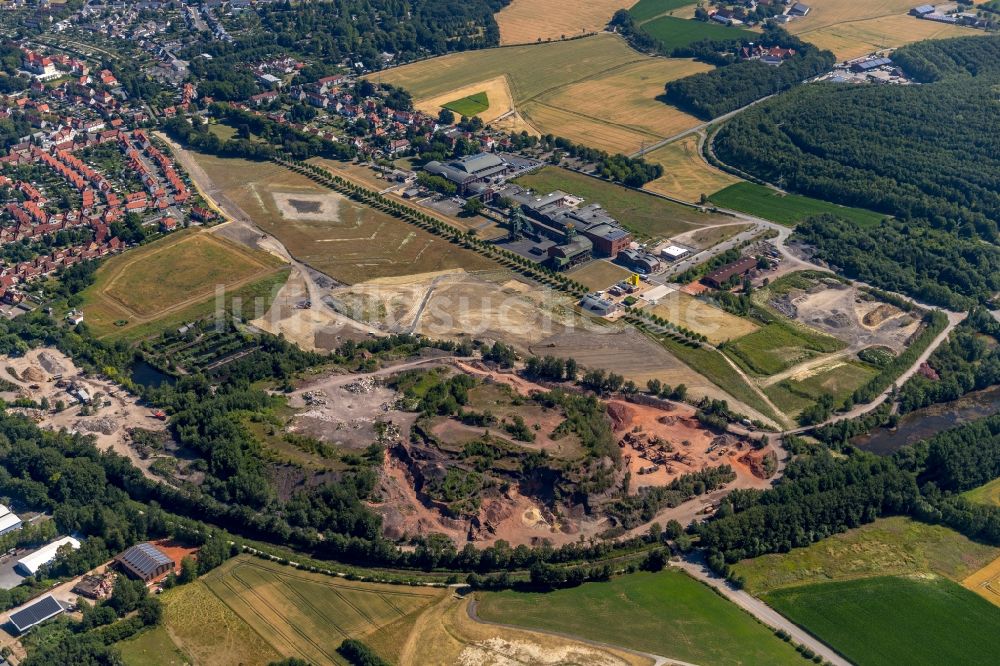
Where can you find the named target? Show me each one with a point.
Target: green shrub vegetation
(778, 346)
(889, 546)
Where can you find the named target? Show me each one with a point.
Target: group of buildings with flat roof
(143, 561)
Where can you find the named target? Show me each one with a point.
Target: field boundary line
(233, 573)
(631, 128)
(221, 581)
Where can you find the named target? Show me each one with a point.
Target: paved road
(697, 128)
(760, 610)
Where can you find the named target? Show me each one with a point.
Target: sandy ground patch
(313, 328)
(686, 175)
(845, 313)
(445, 634)
(714, 323)
(307, 206)
(113, 414)
(658, 446)
(497, 93)
(530, 21)
(456, 305)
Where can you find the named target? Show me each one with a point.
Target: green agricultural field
(674, 32)
(887, 546)
(666, 613)
(788, 209)
(645, 215)
(988, 494)
(839, 380)
(892, 620)
(309, 615)
(469, 106)
(647, 9)
(152, 647)
(779, 346)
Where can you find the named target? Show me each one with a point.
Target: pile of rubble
(312, 398)
(104, 425)
(361, 386)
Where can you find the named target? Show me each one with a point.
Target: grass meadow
(988, 494)
(887, 546)
(779, 346)
(673, 32)
(787, 209)
(352, 244)
(838, 380)
(647, 9)
(891, 620)
(152, 647)
(667, 613)
(174, 279)
(469, 106)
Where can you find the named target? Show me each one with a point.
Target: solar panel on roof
(39, 611)
(145, 558)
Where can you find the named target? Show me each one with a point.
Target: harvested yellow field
(851, 29)
(986, 582)
(715, 324)
(686, 175)
(626, 97)
(530, 21)
(497, 92)
(597, 91)
(588, 131)
(532, 69)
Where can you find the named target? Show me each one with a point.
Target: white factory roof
(656, 293)
(8, 521)
(4, 510)
(673, 251)
(36, 560)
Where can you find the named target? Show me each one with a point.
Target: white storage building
(31, 563)
(8, 520)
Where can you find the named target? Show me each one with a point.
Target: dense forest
(822, 494)
(711, 94)
(363, 30)
(932, 265)
(927, 154)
